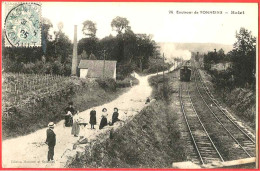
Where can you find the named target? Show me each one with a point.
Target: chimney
(75, 53)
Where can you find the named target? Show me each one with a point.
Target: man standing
(50, 140)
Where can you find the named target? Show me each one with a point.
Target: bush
(157, 67)
(107, 84)
(154, 81)
(10, 66)
(126, 82)
(163, 89)
(124, 71)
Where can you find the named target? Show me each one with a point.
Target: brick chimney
(75, 53)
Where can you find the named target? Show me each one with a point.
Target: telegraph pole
(164, 91)
(75, 53)
(104, 64)
(163, 69)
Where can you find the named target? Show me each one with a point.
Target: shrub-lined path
(31, 151)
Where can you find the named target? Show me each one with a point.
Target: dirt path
(30, 151)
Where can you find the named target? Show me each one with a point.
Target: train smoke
(170, 52)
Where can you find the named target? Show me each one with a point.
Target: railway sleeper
(209, 153)
(211, 158)
(204, 143)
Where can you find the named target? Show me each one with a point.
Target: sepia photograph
(129, 85)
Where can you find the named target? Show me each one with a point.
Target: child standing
(93, 120)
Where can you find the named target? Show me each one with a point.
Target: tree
(243, 57)
(46, 37)
(59, 48)
(245, 43)
(120, 24)
(83, 55)
(90, 45)
(89, 28)
(92, 57)
(15, 56)
(111, 45)
(220, 55)
(145, 49)
(223, 81)
(46, 25)
(60, 26)
(52, 57)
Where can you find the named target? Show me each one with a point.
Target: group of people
(73, 120)
(103, 121)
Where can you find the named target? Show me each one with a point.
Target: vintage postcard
(129, 85)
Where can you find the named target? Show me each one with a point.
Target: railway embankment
(241, 101)
(152, 139)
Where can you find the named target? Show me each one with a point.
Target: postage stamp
(129, 85)
(22, 24)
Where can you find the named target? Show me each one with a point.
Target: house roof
(95, 67)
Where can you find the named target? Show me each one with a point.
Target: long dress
(115, 117)
(68, 118)
(103, 121)
(93, 120)
(75, 127)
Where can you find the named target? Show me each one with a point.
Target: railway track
(202, 142)
(244, 142)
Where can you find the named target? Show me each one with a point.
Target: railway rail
(245, 143)
(201, 140)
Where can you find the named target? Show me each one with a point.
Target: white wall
(83, 73)
(114, 76)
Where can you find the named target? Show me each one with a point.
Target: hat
(104, 109)
(51, 125)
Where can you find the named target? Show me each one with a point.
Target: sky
(155, 19)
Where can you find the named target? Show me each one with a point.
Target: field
(25, 90)
(34, 100)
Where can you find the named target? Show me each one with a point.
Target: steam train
(185, 71)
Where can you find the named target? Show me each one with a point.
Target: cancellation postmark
(23, 24)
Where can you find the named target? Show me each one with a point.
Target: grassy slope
(241, 101)
(151, 140)
(25, 122)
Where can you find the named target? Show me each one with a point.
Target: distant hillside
(194, 47)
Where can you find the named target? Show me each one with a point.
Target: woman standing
(69, 113)
(93, 120)
(75, 127)
(103, 121)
